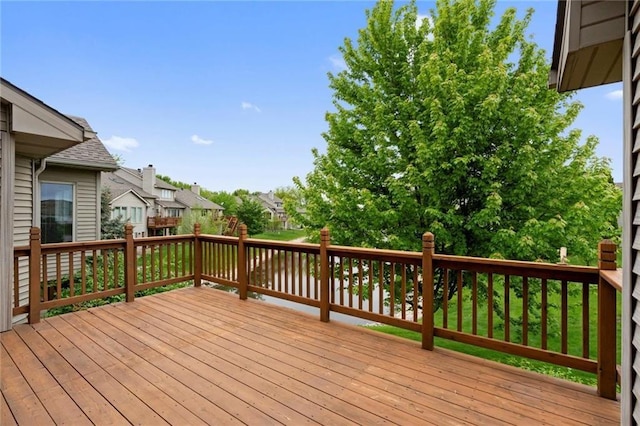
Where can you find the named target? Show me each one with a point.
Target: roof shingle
(89, 154)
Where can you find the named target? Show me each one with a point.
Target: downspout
(36, 192)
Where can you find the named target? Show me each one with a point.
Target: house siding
(631, 220)
(4, 122)
(22, 222)
(129, 200)
(86, 199)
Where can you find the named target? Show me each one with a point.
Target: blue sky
(226, 94)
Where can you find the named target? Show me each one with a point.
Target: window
(119, 213)
(127, 214)
(174, 213)
(136, 214)
(166, 194)
(56, 212)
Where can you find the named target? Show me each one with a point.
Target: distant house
(193, 201)
(162, 214)
(274, 207)
(129, 204)
(50, 168)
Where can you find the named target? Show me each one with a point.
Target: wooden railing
(71, 273)
(163, 222)
(526, 309)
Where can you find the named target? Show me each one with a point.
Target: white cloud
(614, 95)
(249, 105)
(419, 19)
(419, 22)
(121, 144)
(337, 62)
(199, 141)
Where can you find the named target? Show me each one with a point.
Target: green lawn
(284, 235)
(574, 339)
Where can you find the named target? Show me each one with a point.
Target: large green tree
(446, 124)
(252, 214)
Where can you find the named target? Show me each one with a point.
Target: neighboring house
(164, 212)
(195, 202)
(50, 168)
(129, 204)
(274, 207)
(596, 43)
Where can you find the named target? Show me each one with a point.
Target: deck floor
(201, 356)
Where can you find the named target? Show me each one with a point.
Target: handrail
(613, 278)
(587, 274)
(389, 286)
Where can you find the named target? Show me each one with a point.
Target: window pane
(56, 212)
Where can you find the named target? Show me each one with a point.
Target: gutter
(35, 191)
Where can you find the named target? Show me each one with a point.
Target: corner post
(606, 323)
(428, 250)
(325, 241)
(130, 263)
(197, 256)
(242, 263)
(35, 257)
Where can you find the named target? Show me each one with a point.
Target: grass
(283, 235)
(574, 335)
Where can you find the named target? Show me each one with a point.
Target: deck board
(201, 356)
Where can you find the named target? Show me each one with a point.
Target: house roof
(132, 192)
(270, 201)
(38, 101)
(192, 200)
(87, 155)
(171, 204)
(164, 185)
(39, 130)
(587, 44)
(118, 186)
(159, 183)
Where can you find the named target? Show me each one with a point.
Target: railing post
(242, 263)
(129, 263)
(197, 256)
(325, 240)
(35, 258)
(607, 329)
(428, 249)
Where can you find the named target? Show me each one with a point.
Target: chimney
(271, 195)
(195, 188)
(148, 179)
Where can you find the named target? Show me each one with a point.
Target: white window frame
(122, 214)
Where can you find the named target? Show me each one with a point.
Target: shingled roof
(159, 183)
(193, 200)
(118, 186)
(89, 155)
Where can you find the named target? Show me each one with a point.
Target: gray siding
(631, 284)
(22, 220)
(86, 199)
(129, 200)
(4, 124)
(23, 201)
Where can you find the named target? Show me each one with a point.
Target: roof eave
(557, 44)
(77, 164)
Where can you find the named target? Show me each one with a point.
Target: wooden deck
(201, 356)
